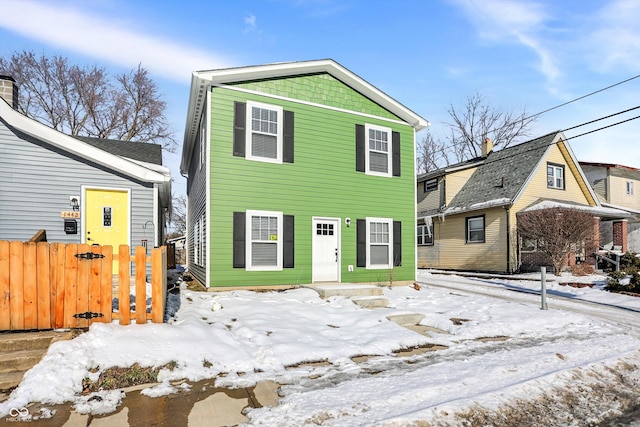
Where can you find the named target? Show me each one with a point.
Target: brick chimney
(9, 90)
(487, 146)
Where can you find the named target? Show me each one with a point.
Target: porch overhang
(604, 212)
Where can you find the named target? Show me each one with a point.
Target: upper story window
(475, 229)
(431, 184)
(378, 155)
(630, 188)
(377, 150)
(264, 132)
(555, 176)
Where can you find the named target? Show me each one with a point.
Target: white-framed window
(529, 245)
(425, 235)
(201, 240)
(630, 188)
(196, 242)
(475, 229)
(264, 240)
(264, 132)
(431, 185)
(378, 150)
(379, 243)
(555, 176)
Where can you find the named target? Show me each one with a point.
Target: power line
(603, 118)
(508, 155)
(604, 127)
(575, 127)
(443, 150)
(584, 96)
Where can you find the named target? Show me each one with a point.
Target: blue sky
(427, 54)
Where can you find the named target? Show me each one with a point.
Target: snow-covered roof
(500, 178)
(601, 211)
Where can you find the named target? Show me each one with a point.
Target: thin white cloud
(249, 23)
(99, 37)
(506, 21)
(615, 42)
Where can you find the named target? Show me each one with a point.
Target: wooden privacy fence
(56, 285)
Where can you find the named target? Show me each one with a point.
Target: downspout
(508, 211)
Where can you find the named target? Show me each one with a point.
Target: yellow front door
(107, 219)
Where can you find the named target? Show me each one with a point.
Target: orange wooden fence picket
(55, 285)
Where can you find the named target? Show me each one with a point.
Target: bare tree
(558, 233)
(86, 101)
(178, 220)
(471, 125)
(431, 155)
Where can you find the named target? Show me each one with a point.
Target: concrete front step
(348, 290)
(406, 319)
(370, 302)
(20, 360)
(26, 340)
(21, 351)
(9, 380)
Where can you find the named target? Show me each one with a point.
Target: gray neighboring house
(79, 190)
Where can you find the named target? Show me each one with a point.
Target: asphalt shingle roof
(141, 151)
(501, 176)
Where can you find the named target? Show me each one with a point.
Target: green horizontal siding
(321, 89)
(322, 182)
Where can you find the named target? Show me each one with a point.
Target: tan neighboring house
(618, 187)
(467, 213)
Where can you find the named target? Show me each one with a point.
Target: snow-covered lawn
(496, 352)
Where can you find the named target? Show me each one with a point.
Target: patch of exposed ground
(123, 377)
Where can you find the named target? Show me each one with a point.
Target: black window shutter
(395, 153)
(239, 219)
(288, 238)
(239, 128)
(397, 243)
(360, 148)
(361, 238)
(287, 140)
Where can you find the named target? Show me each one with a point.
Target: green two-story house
(298, 173)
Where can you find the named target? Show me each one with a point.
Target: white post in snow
(543, 283)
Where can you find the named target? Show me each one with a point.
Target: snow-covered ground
(494, 352)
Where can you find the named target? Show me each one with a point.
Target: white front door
(326, 250)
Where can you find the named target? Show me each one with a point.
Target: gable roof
(502, 176)
(157, 174)
(202, 80)
(141, 151)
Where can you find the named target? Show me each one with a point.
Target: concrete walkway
(199, 405)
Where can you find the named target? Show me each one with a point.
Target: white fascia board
(201, 80)
(72, 145)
